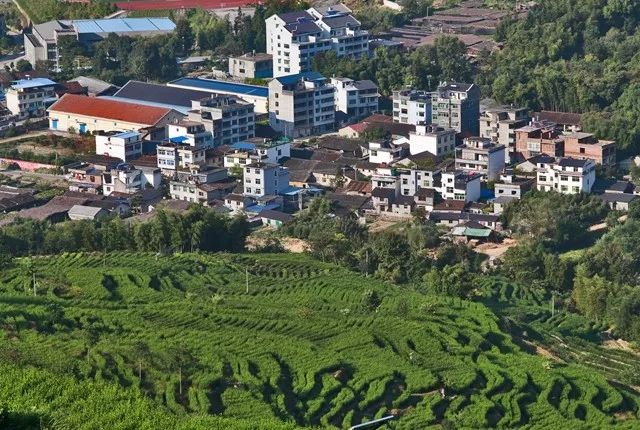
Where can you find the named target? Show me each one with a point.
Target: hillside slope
(135, 341)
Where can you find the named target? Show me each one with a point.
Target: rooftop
(212, 85)
(455, 86)
(106, 26)
(109, 109)
(276, 215)
(572, 162)
(24, 84)
(162, 94)
(93, 85)
(307, 76)
(255, 56)
(564, 118)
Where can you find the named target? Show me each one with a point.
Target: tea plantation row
(131, 340)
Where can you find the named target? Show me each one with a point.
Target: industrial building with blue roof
(43, 37)
(255, 94)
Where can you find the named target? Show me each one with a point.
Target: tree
(371, 300)
(142, 356)
(30, 270)
(451, 280)
(185, 35)
(23, 66)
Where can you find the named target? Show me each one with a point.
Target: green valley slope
(134, 341)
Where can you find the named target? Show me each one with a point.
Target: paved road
(50, 177)
(24, 136)
(11, 58)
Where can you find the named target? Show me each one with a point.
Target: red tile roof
(109, 109)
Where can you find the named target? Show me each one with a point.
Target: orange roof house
(88, 114)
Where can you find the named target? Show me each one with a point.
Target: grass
(134, 341)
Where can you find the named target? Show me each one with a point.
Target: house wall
(61, 121)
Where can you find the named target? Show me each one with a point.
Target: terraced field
(134, 341)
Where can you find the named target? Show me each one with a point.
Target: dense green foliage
(424, 67)
(399, 255)
(197, 229)
(46, 10)
(577, 56)
(601, 281)
(135, 341)
(560, 220)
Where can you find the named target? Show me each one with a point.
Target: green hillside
(132, 341)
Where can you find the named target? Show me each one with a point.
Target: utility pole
(246, 273)
(33, 274)
(366, 253)
(553, 304)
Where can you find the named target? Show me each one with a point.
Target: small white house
(436, 140)
(460, 185)
(567, 176)
(125, 145)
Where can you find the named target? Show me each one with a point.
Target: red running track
(182, 4)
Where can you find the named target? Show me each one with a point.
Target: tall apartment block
(500, 124)
(481, 155)
(354, 99)
(301, 105)
(411, 106)
(30, 97)
(457, 106)
(294, 38)
(228, 118)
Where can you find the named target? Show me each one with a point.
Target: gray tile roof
(162, 94)
(341, 21)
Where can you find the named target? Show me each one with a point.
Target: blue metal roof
(179, 139)
(260, 208)
(31, 83)
(292, 79)
(291, 191)
(222, 87)
(123, 25)
(246, 146)
(127, 134)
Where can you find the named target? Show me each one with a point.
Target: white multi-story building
(354, 99)
(251, 65)
(386, 177)
(481, 155)
(186, 146)
(271, 150)
(125, 145)
(457, 105)
(433, 139)
(128, 179)
(500, 124)
(411, 106)
(197, 184)
(257, 149)
(385, 151)
(190, 133)
(460, 185)
(567, 176)
(411, 180)
(174, 156)
(30, 97)
(265, 179)
(227, 118)
(301, 105)
(294, 38)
